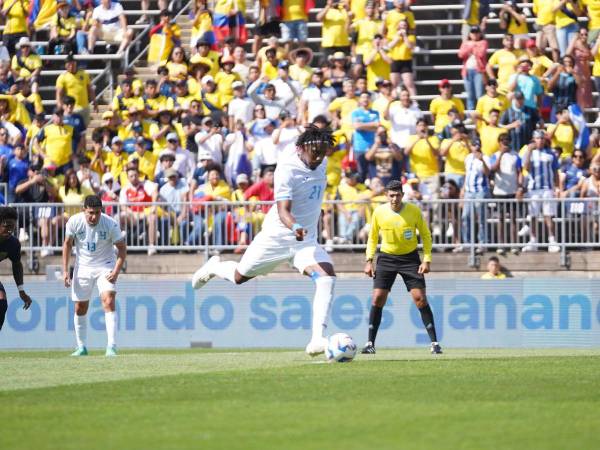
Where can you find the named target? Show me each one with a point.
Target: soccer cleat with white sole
(553, 248)
(111, 350)
(80, 351)
(204, 274)
(368, 349)
(316, 347)
(436, 349)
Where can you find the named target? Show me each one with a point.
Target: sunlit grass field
(262, 399)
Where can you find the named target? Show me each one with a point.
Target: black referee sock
(427, 317)
(374, 322)
(3, 309)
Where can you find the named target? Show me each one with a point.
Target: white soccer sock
(321, 305)
(226, 270)
(80, 330)
(110, 318)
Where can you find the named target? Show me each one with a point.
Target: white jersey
(305, 188)
(94, 245)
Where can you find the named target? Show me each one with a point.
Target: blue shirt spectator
(521, 121)
(529, 85)
(365, 122)
(542, 164)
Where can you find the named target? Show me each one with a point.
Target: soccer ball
(340, 348)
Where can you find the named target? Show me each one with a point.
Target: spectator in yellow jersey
(422, 151)
(147, 159)
(546, 28)
(541, 65)
(563, 134)
(455, 150)
(394, 17)
(225, 79)
(26, 63)
(14, 15)
(153, 100)
(494, 270)
(300, 70)
(399, 222)
(272, 42)
(514, 22)
(401, 50)
(341, 109)
(160, 129)
(31, 100)
(566, 19)
(490, 132)
(116, 159)
(351, 215)
(443, 103)
(126, 99)
(505, 59)
(336, 19)
(491, 100)
(205, 53)
(212, 100)
(269, 65)
(63, 30)
(378, 61)
(364, 31)
(592, 8)
(71, 194)
(55, 142)
(177, 64)
(294, 28)
(475, 13)
(76, 83)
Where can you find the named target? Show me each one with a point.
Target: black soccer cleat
(436, 349)
(369, 349)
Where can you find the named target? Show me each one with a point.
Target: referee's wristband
(296, 227)
(21, 288)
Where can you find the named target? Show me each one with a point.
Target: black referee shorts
(388, 266)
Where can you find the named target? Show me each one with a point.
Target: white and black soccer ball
(340, 348)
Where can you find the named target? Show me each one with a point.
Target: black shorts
(401, 66)
(268, 29)
(388, 266)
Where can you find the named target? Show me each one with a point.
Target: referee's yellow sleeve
(373, 237)
(425, 238)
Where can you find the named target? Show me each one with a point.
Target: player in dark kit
(10, 248)
(398, 223)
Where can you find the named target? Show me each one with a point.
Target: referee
(398, 223)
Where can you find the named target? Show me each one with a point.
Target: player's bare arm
(284, 209)
(66, 254)
(17, 268)
(121, 255)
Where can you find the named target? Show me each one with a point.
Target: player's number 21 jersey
(94, 245)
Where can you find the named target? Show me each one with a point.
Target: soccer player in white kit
(95, 235)
(289, 231)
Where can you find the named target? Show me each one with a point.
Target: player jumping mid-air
(95, 235)
(289, 231)
(10, 248)
(398, 221)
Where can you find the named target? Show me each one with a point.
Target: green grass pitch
(258, 399)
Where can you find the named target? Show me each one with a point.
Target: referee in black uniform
(398, 224)
(10, 248)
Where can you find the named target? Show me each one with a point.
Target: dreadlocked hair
(316, 135)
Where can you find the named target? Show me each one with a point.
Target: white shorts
(112, 36)
(86, 278)
(541, 202)
(265, 253)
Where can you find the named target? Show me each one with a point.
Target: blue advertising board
(265, 312)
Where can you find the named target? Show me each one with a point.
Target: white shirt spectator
(318, 100)
(404, 122)
(272, 106)
(235, 148)
(241, 109)
(92, 181)
(109, 18)
(14, 135)
(287, 139)
(184, 163)
(506, 177)
(4, 56)
(265, 153)
(173, 194)
(286, 89)
(213, 145)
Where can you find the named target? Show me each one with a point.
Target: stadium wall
(538, 312)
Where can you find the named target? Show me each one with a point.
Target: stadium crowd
(212, 124)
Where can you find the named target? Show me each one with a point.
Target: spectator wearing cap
(566, 20)
(490, 132)
(546, 28)
(492, 99)
(164, 126)
(154, 101)
(116, 159)
(88, 178)
(136, 206)
(352, 212)
(26, 63)
(286, 134)
(401, 50)
(476, 187)
(365, 122)
(300, 70)
(55, 142)
(166, 159)
(225, 79)
(70, 117)
(294, 27)
(210, 139)
(528, 84)
(403, 114)
(514, 22)
(63, 30)
(384, 158)
(204, 162)
(265, 152)
(336, 20)
(564, 83)
(563, 133)
(17, 167)
(422, 151)
(175, 193)
(455, 150)
(582, 54)
(32, 101)
(286, 86)
(475, 13)
(146, 159)
(473, 53)
(240, 107)
(109, 192)
(505, 59)
(542, 165)
(378, 60)
(342, 107)
(315, 100)
(212, 100)
(110, 25)
(184, 159)
(76, 83)
(272, 102)
(542, 66)
(506, 168)
(365, 29)
(443, 103)
(520, 120)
